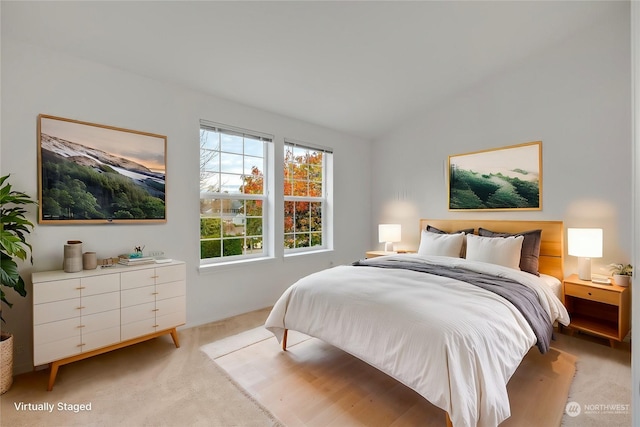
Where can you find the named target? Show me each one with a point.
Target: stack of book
(127, 260)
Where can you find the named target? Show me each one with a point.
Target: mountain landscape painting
(498, 179)
(99, 174)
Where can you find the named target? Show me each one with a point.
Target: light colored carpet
(315, 384)
(603, 377)
(148, 384)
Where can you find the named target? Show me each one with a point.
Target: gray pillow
(437, 230)
(530, 254)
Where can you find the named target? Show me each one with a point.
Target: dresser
(80, 315)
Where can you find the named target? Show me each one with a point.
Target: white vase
(622, 280)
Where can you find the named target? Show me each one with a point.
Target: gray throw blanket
(522, 297)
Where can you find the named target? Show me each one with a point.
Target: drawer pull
(156, 293)
(155, 326)
(81, 326)
(589, 293)
(81, 307)
(81, 288)
(154, 277)
(80, 345)
(156, 309)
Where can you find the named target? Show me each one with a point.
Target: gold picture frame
(97, 174)
(498, 179)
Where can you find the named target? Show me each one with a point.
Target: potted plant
(621, 273)
(14, 228)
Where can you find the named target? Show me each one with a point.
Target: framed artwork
(92, 174)
(507, 178)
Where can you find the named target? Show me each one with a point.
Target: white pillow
(440, 244)
(503, 251)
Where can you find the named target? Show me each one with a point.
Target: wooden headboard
(551, 260)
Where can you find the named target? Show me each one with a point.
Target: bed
(453, 329)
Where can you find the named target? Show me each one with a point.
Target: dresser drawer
(137, 329)
(138, 296)
(99, 321)
(56, 350)
(100, 284)
(171, 273)
(98, 303)
(137, 278)
(171, 305)
(170, 290)
(101, 338)
(55, 290)
(56, 331)
(54, 311)
(137, 313)
(591, 293)
(170, 320)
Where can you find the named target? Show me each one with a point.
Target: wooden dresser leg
(448, 420)
(52, 375)
(284, 340)
(174, 336)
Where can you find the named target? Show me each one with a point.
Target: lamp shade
(585, 242)
(389, 233)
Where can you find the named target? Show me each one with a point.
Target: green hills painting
(98, 174)
(497, 179)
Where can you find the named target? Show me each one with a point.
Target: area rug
(316, 384)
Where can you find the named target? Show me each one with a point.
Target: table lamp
(585, 243)
(389, 233)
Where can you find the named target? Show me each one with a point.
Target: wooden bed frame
(551, 260)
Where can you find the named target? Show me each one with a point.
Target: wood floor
(316, 384)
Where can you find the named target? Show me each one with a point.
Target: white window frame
(267, 246)
(326, 200)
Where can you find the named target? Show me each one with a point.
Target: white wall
(573, 96)
(39, 81)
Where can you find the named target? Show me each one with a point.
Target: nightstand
(602, 310)
(373, 254)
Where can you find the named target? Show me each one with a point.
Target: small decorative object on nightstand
(621, 273)
(602, 310)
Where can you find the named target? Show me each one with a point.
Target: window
(232, 193)
(306, 201)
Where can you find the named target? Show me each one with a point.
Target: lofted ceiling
(360, 67)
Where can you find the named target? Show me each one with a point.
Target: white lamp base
(584, 268)
(388, 247)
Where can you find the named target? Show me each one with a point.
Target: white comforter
(454, 343)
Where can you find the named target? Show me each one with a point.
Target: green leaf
(14, 228)
(10, 245)
(9, 274)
